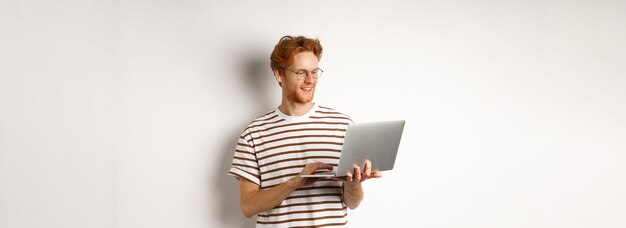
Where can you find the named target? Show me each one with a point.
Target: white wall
(126, 113)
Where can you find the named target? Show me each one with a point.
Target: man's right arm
(253, 200)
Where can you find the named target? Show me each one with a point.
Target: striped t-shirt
(275, 147)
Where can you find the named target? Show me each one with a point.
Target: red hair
(289, 46)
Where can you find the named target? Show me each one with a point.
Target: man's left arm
(352, 188)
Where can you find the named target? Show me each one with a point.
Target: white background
(126, 113)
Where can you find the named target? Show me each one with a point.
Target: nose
(309, 78)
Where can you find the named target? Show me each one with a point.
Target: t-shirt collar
(297, 118)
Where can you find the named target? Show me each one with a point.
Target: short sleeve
(245, 164)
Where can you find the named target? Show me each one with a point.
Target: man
(298, 138)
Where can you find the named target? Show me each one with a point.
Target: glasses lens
(317, 73)
(301, 74)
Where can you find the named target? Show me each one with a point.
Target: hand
(311, 168)
(359, 176)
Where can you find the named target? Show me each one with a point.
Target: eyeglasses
(315, 73)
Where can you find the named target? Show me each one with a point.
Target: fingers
(312, 167)
(367, 173)
(357, 173)
(324, 166)
(319, 165)
(367, 169)
(349, 177)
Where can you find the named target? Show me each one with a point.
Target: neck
(295, 109)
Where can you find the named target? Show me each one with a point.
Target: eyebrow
(317, 68)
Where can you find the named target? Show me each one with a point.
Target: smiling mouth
(307, 89)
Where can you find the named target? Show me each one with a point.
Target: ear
(278, 74)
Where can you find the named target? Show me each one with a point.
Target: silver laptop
(376, 141)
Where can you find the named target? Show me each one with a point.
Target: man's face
(299, 90)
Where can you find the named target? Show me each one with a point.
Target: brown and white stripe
(275, 147)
